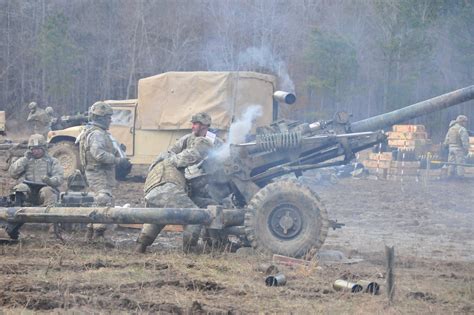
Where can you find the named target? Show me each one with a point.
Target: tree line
(363, 56)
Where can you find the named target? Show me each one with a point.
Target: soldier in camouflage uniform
(457, 139)
(43, 171)
(40, 121)
(165, 185)
(99, 158)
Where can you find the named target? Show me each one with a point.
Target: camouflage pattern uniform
(39, 120)
(98, 157)
(44, 170)
(37, 170)
(165, 185)
(457, 139)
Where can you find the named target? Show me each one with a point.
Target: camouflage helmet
(49, 110)
(100, 109)
(461, 118)
(202, 118)
(36, 140)
(32, 105)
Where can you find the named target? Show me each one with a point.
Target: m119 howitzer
(274, 213)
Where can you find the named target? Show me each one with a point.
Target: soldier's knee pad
(104, 199)
(48, 196)
(21, 187)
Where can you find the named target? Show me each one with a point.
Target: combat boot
(99, 233)
(13, 230)
(89, 233)
(140, 248)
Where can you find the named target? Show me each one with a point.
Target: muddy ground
(430, 224)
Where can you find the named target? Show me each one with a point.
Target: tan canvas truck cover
(167, 101)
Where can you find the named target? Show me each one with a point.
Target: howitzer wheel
(286, 218)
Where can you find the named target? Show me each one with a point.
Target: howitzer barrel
(213, 216)
(415, 110)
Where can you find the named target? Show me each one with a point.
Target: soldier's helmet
(100, 109)
(49, 110)
(32, 105)
(36, 141)
(203, 118)
(461, 118)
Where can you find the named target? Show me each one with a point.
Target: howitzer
(275, 214)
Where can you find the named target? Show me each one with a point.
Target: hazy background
(366, 56)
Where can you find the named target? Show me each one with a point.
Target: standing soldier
(40, 121)
(41, 173)
(457, 140)
(52, 119)
(98, 157)
(165, 185)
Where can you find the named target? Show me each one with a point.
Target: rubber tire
(68, 155)
(314, 216)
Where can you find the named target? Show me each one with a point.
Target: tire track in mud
(42, 295)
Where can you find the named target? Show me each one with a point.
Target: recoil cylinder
(279, 141)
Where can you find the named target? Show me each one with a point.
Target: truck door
(123, 126)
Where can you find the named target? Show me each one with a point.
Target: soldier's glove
(28, 154)
(122, 163)
(50, 181)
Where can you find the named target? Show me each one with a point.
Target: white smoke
(238, 131)
(252, 59)
(262, 57)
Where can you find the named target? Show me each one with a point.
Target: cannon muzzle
(415, 110)
(285, 97)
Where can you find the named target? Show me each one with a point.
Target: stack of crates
(409, 138)
(389, 165)
(406, 143)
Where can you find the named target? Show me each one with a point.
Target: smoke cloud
(238, 131)
(262, 57)
(252, 59)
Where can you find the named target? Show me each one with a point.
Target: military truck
(2, 123)
(150, 124)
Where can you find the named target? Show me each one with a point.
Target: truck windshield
(122, 117)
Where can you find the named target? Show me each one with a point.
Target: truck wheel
(286, 218)
(68, 155)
